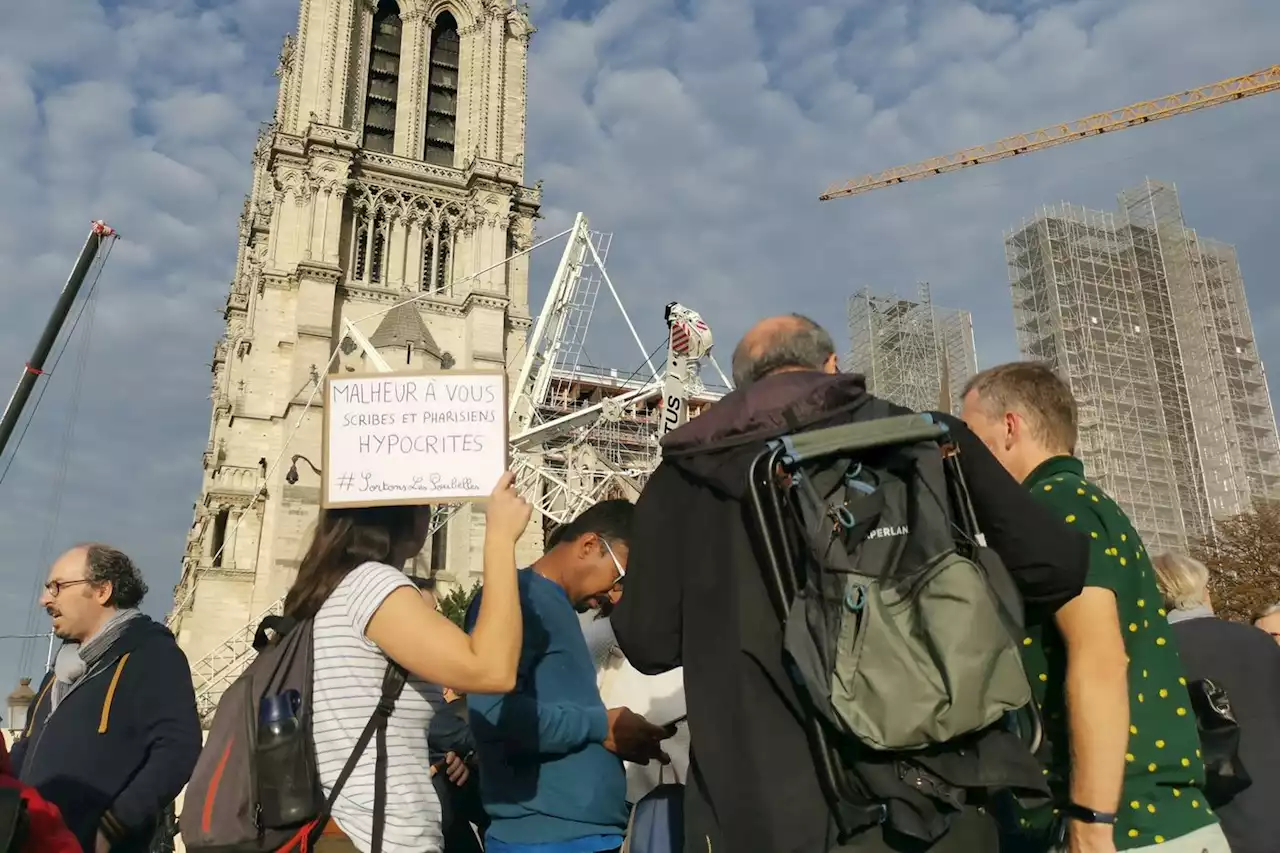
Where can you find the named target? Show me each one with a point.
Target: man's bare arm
(1097, 707)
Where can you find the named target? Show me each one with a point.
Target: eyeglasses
(54, 588)
(622, 573)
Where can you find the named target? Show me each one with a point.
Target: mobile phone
(680, 719)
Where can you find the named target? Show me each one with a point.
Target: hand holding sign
(507, 514)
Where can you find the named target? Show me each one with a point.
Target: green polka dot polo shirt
(1164, 776)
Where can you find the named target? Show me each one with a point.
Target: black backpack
(901, 628)
(240, 793)
(1225, 774)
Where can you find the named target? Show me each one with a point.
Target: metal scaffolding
(1148, 323)
(1250, 417)
(910, 352)
(1165, 285)
(1076, 306)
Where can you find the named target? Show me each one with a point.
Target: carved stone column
(229, 541)
(413, 253)
(491, 33)
(207, 549)
(411, 110)
(273, 235)
(394, 277)
(344, 47)
(362, 21)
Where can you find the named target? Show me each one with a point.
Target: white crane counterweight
(689, 341)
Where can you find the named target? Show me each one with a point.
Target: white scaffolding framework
(1250, 417)
(1148, 323)
(1076, 307)
(910, 352)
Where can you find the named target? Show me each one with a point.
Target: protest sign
(413, 438)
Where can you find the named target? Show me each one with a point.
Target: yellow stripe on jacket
(31, 715)
(111, 694)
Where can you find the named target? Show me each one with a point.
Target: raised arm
(431, 647)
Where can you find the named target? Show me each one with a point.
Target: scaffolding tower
(1159, 241)
(910, 352)
(1077, 307)
(1148, 324)
(1251, 419)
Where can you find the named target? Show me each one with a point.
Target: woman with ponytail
(367, 611)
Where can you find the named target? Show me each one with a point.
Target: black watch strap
(1086, 815)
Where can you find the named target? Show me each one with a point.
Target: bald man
(695, 597)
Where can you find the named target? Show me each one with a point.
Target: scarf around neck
(1200, 611)
(75, 660)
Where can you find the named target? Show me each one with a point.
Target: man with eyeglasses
(113, 734)
(550, 753)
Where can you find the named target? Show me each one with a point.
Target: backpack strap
(278, 625)
(393, 681)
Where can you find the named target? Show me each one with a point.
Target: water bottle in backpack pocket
(282, 762)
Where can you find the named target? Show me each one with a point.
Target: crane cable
(87, 312)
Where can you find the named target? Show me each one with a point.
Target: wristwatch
(1087, 815)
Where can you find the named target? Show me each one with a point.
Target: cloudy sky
(699, 132)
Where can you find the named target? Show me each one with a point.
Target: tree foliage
(1244, 562)
(454, 605)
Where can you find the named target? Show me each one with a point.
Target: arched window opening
(428, 260)
(220, 536)
(444, 267)
(361, 247)
(378, 248)
(384, 79)
(442, 92)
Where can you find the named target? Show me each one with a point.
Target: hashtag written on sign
(346, 481)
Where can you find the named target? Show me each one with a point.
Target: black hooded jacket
(121, 744)
(696, 598)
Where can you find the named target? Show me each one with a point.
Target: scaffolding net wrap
(911, 352)
(1147, 321)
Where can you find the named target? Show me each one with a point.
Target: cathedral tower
(393, 168)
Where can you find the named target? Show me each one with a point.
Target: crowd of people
(644, 657)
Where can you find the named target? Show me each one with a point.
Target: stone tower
(393, 169)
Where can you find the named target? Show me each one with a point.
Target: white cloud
(700, 132)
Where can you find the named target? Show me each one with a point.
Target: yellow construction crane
(1266, 80)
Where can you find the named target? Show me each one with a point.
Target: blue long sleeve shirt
(545, 777)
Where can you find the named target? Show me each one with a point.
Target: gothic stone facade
(394, 167)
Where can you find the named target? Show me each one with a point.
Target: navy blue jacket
(122, 743)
